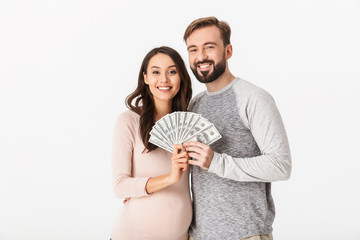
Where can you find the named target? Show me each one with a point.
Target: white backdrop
(67, 66)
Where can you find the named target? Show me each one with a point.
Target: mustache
(202, 62)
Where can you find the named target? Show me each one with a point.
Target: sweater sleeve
(260, 115)
(124, 184)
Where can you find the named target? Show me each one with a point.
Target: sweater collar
(223, 89)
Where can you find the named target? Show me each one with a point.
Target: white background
(67, 66)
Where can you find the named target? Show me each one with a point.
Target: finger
(182, 160)
(195, 149)
(181, 147)
(175, 149)
(182, 154)
(176, 157)
(194, 162)
(183, 167)
(178, 147)
(195, 156)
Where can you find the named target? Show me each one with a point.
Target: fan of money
(180, 127)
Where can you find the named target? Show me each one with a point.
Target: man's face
(206, 54)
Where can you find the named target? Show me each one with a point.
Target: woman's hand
(179, 163)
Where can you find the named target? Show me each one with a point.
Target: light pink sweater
(165, 214)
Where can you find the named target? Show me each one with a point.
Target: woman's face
(163, 78)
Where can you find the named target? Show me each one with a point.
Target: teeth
(204, 66)
(164, 88)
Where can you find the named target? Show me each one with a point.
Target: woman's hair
(223, 26)
(141, 100)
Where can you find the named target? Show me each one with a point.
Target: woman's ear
(145, 79)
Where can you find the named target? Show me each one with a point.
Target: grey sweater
(232, 200)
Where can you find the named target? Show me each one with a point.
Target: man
(231, 180)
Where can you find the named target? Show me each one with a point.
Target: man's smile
(204, 66)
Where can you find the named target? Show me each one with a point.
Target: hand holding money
(180, 127)
(201, 152)
(179, 163)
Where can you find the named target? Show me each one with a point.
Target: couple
(230, 180)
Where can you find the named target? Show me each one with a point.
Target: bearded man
(231, 180)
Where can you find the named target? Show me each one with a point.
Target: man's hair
(223, 26)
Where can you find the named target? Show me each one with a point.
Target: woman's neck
(161, 109)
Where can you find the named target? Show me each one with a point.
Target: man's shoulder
(246, 89)
(195, 99)
(247, 86)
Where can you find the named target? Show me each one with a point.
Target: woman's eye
(155, 72)
(172, 72)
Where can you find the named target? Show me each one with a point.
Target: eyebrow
(168, 66)
(207, 43)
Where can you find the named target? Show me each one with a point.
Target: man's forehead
(204, 35)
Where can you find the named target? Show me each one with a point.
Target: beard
(205, 76)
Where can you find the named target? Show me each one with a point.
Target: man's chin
(206, 79)
(203, 74)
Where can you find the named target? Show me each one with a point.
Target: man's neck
(221, 82)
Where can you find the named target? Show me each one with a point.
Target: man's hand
(201, 152)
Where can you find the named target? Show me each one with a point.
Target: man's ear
(228, 51)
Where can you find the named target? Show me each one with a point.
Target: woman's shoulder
(128, 118)
(129, 115)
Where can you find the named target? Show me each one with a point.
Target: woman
(153, 181)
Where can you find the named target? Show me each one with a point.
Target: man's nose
(202, 55)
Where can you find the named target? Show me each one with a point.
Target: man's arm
(260, 115)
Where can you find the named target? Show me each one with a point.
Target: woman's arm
(179, 165)
(124, 184)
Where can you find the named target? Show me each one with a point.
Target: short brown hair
(223, 26)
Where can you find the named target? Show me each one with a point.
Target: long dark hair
(141, 100)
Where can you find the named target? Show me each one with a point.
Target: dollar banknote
(179, 127)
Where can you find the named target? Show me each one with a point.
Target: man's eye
(192, 50)
(210, 47)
